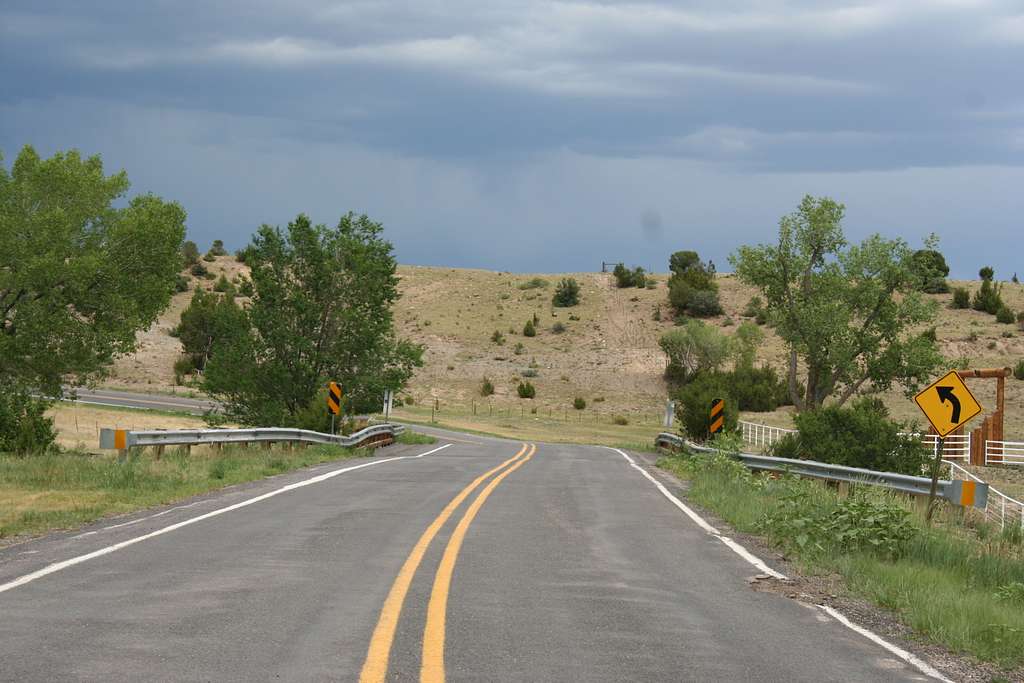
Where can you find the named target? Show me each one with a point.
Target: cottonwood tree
(79, 276)
(850, 315)
(320, 311)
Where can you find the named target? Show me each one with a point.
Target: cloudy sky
(528, 135)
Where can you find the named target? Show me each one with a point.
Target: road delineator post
(717, 416)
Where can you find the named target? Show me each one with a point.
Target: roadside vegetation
(962, 587)
(63, 490)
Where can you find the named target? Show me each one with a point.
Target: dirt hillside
(607, 354)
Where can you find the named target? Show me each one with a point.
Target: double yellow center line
(375, 667)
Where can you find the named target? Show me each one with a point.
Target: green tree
(848, 312)
(209, 319)
(692, 287)
(81, 271)
(746, 340)
(693, 348)
(320, 311)
(217, 248)
(567, 293)
(989, 298)
(930, 271)
(189, 253)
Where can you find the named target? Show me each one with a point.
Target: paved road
(562, 563)
(129, 399)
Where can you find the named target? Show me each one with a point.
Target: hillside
(607, 355)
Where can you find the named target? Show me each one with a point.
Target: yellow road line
(432, 665)
(375, 667)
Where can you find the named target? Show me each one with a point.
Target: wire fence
(1001, 509)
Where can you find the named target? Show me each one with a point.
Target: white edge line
(921, 665)
(64, 564)
(907, 657)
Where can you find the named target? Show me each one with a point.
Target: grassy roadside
(962, 590)
(69, 489)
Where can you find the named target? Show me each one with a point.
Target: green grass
(960, 588)
(410, 437)
(66, 490)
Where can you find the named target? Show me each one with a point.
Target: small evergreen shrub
(217, 249)
(703, 303)
(620, 420)
(198, 269)
(1018, 370)
(526, 390)
(535, 283)
(694, 400)
(519, 349)
(567, 293)
(486, 387)
(529, 372)
(180, 283)
(498, 337)
(222, 284)
(529, 330)
(24, 427)
(754, 306)
(961, 298)
(558, 328)
(1005, 316)
(579, 403)
(209, 258)
(189, 253)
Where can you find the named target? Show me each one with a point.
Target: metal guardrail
(122, 439)
(918, 486)
(1001, 508)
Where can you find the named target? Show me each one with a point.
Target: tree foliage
(209, 319)
(848, 312)
(79, 276)
(692, 288)
(320, 311)
(692, 348)
(930, 271)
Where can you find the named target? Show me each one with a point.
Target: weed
(535, 283)
(579, 403)
(620, 420)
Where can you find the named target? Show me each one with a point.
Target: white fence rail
(1004, 452)
(763, 435)
(957, 446)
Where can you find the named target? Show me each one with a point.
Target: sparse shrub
(189, 253)
(599, 399)
(657, 314)
(961, 298)
(529, 372)
(529, 330)
(761, 318)
(558, 328)
(519, 349)
(181, 283)
(222, 284)
(535, 283)
(620, 420)
(567, 293)
(972, 337)
(533, 410)
(651, 283)
(505, 296)
(199, 270)
(623, 276)
(409, 400)
(988, 298)
(754, 306)
(1005, 316)
(758, 389)
(498, 337)
(1018, 370)
(217, 249)
(579, 403)
(1020, 320)
(486, 387)
(209, 258)
(992, 345)
(526, 390)
(693, 348)
(244, 255)
(728, 321)
(245, 287)
(1007, 334)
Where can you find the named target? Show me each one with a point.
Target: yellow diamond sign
(948, 403)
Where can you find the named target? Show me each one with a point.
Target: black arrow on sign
(946, 394)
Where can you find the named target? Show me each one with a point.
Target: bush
(245, 287)
(486, 387)
(961, 298)
(929, 271)
(623, 276)
(409, 400)
(222, 284)
(1018, 370)
(535, 283)
(498, 337)
(558, 328)
(217, 249)
(579, 403)
(526, 390)
(189, 253)
(657, 314)
(703, 303)
(758, 390)
(180, 283)
(209, 258)
(620, 420)
(567, 293)
(754, 306)
(695, 399)
(988, 298)
(243, 255)
(529, 372)
(861, 435)
(693, 348)
(198, 269)
(519, 349)
(24, 427)
(185, 365)
(529, 330)
(1005, 316)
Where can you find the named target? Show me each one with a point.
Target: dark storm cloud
(531, 135)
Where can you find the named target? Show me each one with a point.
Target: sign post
(948, 404)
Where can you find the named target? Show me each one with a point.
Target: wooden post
(935, 482)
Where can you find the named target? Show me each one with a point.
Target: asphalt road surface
(481, 560)
(129, 399)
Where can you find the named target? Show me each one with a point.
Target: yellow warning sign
(948, 403)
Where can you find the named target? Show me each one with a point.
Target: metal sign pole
(940, 444)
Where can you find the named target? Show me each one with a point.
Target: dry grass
(78, 425)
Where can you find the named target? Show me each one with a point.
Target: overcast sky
(541, 136)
